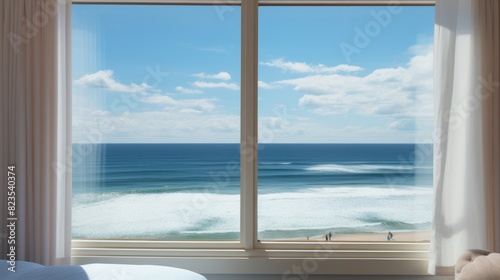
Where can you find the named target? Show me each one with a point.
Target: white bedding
(138, 272)
(34, 271)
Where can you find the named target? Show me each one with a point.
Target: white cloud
(399, 96)
(189, 111)
(165, 126)
(326, 104)
(104, 79)
(394, 92)
(187, 105)
(231, 86)
(274, 123)
(301, 67)
(265, 85)
(99, 113)
(187, 90)
(219, 76)
(406, 124)
(303, 130)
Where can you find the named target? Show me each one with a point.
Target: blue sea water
(191, 191)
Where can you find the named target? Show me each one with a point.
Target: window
(156, 122)
(345, 123)
(186, 71)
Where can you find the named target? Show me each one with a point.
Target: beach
(404, 236)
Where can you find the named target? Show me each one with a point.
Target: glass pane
(156, 94)
(345, 123)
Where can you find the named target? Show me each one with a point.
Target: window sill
(353, 258)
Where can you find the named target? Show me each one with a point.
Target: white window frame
(249, 255)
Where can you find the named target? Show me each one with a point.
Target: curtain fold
(489, 15)
(36, 126)
(467, 141)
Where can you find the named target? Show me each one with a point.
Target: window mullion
(249, 142)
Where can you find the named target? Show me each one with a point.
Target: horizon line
(222, 143)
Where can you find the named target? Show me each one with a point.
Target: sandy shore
(404, 236)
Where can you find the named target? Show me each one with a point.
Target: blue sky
(171, 74)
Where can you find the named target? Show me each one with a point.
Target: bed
(34, 271)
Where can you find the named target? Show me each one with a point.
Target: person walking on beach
(330, 236)
(389, 236)
(326, 237)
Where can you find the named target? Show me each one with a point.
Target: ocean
(191, 191)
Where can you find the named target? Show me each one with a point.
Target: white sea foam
(344, 207)
(355, 168)
(156, 214)
(163, 214)
(275, 163)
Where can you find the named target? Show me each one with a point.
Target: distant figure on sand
(326, 237)
(389, 236)
(330, 236)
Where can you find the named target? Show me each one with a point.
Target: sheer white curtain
(35, 126)
(467, 143)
